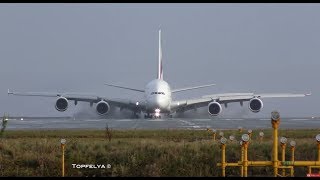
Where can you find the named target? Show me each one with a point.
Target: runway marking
(12, 119)
(202, 119)
(124, 120)
(157, 120)
(195, 127)
(232, 119)
(93, 120)
(299, 119)
(194, 124)
(188, 123)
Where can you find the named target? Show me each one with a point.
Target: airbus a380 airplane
(158, 99)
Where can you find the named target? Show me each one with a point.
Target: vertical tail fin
(160, 70)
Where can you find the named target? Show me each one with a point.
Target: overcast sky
(263, 48)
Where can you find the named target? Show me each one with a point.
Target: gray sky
(264, 48)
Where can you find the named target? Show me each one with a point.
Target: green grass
(141, 152)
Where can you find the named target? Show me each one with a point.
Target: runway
(171, 123)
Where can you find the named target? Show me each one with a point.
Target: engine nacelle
(255, 105)
(61, 104)
(102, 108)
(214, 108)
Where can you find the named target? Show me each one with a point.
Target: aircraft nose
(161, 102)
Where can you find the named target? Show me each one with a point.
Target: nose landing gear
(155, 115)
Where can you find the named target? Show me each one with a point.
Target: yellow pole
(301, 163)
(292, 159)
(242, 154)
(309, 170)
(260, 163)
(275, 124)
(283, 148)
(319, 153)
(62, 159)
(223, 160)
(245, 159)
(214, 136)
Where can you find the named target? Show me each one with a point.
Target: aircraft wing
(91, 98)
(189, 88)
(184, 105)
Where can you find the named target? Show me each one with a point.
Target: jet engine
(214, 108)
(255, 105)
(102, 108)
(61, 104)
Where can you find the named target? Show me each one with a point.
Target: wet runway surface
(172, 123)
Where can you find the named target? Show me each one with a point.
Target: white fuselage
(158, 96)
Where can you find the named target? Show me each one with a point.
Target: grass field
(141, 152)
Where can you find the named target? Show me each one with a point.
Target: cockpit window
(157, 93)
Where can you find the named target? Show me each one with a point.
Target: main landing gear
(150, 116)
(135, 116)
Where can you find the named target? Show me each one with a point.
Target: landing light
(292, 143)
(249, 131)
(214, 131)
(261, 134)
(231, 138)
(63, 141)
(318, 137)
(223, 140)
(275, 115)
(283, 140)
(245, 137)
(221, 133)
(157, 112)
(137, 103)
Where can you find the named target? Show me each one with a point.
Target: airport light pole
(232, 138)
(245, 140)
(318, 141)
(214, 134)
(261, 134)
(242, 154)
(223, 142)
(250, 133)
(292, 145)
(221, 134)
(275, 121)
(63, 142)
(283, 141)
